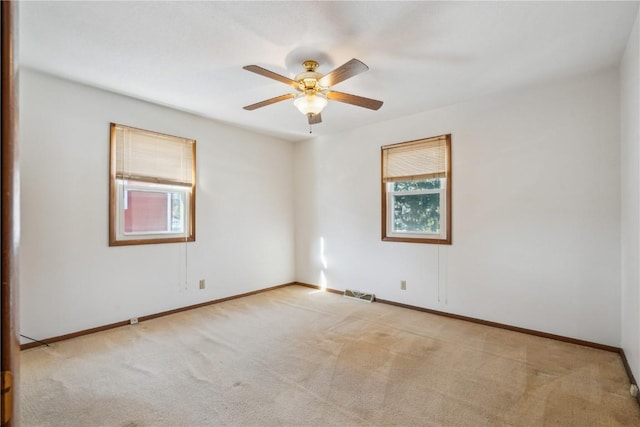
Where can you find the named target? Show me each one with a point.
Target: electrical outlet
(202, 284)
(403, 285)
(133, 321)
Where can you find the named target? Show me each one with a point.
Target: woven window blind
(422, 159)
(153, 157)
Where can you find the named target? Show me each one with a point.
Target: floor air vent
(362, 296)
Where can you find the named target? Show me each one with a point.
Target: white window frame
(442, 191)
(121, 205)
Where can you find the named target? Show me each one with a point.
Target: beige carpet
(295, 356)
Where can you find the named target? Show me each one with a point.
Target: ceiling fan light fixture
(310, 103)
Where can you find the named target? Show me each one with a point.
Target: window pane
(177, 212)
(425, 184)
(417, 213)
(146, 211)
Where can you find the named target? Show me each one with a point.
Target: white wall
(72, 280)
(630, 198)
(536, 221)
(536, 211)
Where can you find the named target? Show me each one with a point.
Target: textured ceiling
(422, 55)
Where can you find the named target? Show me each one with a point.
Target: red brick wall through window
(146, 211)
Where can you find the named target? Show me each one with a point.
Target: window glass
(416, 213)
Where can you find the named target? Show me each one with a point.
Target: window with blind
(152, 187)
(416, 191)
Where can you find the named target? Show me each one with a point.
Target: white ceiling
(422, 55)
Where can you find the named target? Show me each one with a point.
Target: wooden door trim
(10, 177)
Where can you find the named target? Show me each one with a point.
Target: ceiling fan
(314, 88)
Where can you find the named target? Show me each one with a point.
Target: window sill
(446, 241)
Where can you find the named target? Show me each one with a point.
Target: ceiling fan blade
(314, 119)
(269, 101)
(270, 74)
(343, 72)
(360, 101)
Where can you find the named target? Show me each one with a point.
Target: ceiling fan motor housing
(309, 81)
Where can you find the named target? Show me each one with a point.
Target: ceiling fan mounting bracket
(310, 65)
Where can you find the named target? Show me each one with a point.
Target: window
(152, 187)
(416, 191)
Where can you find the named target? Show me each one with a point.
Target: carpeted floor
(297, 357)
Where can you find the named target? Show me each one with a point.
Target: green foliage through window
(418, 211)
(423, 184)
